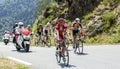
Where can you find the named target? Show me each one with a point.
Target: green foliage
(65, 10)
(111, 2)
(115, 39)
(35, 26)
(52, 8)
(41, 6)
(46, 20)
(91, 40)
(22, 66)
(109, 19)
(118, 28)
(88, 16)
(8, 64)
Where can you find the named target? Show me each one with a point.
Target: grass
(8, 64)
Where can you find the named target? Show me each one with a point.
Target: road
(94, 57)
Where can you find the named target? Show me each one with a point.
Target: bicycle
(38, 39)
(78, 44)
(46, 41)
(62, 53)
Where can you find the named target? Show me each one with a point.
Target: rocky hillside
(102, 25)
(100, 18)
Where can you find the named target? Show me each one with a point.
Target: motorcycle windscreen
(25, 31)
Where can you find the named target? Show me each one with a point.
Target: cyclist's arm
(44, 31)
(50, 30)
(57, 34)
(80, 25)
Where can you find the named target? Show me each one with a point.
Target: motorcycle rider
(18, 31)
(19, 28)
(6, 36)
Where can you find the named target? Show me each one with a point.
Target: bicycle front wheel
(66, 58)
(58, 57)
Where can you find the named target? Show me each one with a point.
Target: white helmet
(77, 20)
(48, 24)
(16, 23)
(20, 23)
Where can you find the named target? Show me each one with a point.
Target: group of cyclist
(60, 29)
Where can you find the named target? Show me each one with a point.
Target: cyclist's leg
(63, 47)
(74, 41)
(58, 47)
(73, 34)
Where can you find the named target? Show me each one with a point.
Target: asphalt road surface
(94, 57)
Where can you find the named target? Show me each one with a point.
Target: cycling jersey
(75, 30)
(45, 30)
(61, 30)
(40, 30)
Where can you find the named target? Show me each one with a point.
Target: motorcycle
(23, 40)
(6, 39)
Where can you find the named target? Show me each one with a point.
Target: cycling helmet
(28, 26)
(61, 19)
(16, 24)
(48, 24)
(77, 20)
(20, 23)
(5, 31)
(40, 24)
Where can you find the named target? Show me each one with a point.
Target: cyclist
(61, 28)
(39, 29)
(76, 29)
(46, 30)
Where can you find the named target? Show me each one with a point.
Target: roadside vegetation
(8, 64)
(101, 24)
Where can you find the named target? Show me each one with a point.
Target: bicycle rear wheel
(76, 47)
(81, 47)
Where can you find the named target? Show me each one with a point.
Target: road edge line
(20, 61)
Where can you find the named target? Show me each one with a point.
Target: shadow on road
(22, 51)
(82, 53)
(64, 66)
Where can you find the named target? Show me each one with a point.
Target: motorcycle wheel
(18, 49)
(27, 47)
(6, 43)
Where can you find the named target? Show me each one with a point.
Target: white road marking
(20, 61)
